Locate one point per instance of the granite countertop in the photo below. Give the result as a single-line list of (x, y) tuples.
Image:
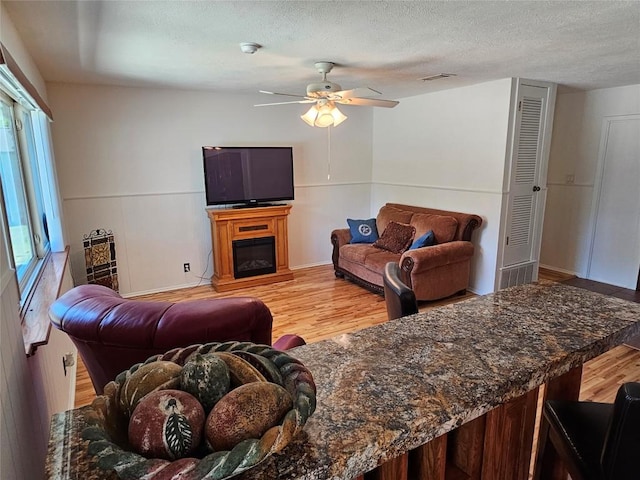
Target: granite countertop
[(390, 388)]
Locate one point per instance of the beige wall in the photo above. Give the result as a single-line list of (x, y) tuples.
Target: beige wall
[(31, 389), (136, 169), (447, 150), (130, 160), (10, 39), (575, 146)]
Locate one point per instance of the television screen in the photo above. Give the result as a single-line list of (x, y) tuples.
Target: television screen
[(248, 175)]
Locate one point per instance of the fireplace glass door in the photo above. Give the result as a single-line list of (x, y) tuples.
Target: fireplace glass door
[(254, 256)]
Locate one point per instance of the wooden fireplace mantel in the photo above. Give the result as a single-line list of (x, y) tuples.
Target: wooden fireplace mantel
[(231, 224)]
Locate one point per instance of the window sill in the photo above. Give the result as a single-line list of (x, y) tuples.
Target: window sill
[(35, 322)]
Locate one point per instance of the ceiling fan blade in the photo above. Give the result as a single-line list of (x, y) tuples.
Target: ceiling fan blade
[(284, 103), (285, 94), (358, 92), (368, 102)]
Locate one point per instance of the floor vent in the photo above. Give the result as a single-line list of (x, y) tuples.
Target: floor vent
[(516, 275)]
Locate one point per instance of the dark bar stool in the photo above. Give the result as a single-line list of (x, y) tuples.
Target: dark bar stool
[(595, 441)]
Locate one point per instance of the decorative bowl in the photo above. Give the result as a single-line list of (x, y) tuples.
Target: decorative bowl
[(107, 432)]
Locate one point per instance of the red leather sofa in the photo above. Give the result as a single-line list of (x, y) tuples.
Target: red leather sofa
[(113, 333)]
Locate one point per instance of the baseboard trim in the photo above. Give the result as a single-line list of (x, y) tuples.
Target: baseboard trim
[(165, 289), (309, 265), (557, 269), (202, 283), (633, 343)]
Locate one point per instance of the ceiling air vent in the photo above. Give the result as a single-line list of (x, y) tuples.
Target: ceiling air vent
[(437, 76)]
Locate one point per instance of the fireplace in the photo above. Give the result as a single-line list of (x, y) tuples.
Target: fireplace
[(260, 231), (254, 256)]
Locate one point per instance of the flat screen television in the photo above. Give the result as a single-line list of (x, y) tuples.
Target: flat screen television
[(248, 176)]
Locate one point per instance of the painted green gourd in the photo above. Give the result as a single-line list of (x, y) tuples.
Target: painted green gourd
[(207, 378)]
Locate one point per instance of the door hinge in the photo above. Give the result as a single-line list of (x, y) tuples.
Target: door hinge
[(520, 106), (507, 240)]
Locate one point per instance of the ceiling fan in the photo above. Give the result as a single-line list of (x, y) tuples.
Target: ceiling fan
[(326, 94)]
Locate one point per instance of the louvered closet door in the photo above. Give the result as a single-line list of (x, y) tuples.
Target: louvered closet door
[(525, 173)]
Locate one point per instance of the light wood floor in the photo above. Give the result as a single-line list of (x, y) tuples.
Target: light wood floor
[(316, 305)]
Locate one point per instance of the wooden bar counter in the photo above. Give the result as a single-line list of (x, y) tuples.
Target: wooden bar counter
[(458, 382)]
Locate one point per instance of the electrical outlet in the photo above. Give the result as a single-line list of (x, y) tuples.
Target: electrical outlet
[(187, 267), (569, 179), (68, 360)]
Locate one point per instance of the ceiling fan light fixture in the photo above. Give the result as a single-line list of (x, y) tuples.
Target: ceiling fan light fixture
[(324, 120), (310, 117), (338, 116), (324, 116)]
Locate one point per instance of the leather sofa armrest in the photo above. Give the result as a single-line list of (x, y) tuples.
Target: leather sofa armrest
[(426, 258), (289, 341)]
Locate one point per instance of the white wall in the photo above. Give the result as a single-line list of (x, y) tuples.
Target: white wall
[(31, 389), (575, 148), (10, 38), (130, 160), (447, 150), (22, 436)]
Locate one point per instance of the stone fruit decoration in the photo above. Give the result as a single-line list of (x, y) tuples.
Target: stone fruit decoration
[(205, 411), (246, 412), (146, 379), (206, 377), (166, 424), (240, 370)]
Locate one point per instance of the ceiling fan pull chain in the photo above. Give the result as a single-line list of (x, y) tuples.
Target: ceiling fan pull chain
[(329, 152)]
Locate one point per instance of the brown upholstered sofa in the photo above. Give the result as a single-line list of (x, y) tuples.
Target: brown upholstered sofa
[(432, 272)]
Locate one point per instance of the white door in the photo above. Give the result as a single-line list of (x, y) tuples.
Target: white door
[(615, 249), (525, 207)]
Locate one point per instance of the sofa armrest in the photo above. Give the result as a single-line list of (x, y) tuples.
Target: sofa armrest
[(339, 237), (289, 341), (426, 258)]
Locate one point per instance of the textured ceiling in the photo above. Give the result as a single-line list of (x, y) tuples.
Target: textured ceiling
[(384, 45)]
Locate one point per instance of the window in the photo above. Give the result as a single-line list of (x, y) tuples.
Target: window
[(22, 188)]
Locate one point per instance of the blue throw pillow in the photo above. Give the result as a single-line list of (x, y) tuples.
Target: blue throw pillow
[(363, 231), (426, 240)]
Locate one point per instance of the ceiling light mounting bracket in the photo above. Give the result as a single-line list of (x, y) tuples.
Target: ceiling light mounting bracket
[(324, 68)]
